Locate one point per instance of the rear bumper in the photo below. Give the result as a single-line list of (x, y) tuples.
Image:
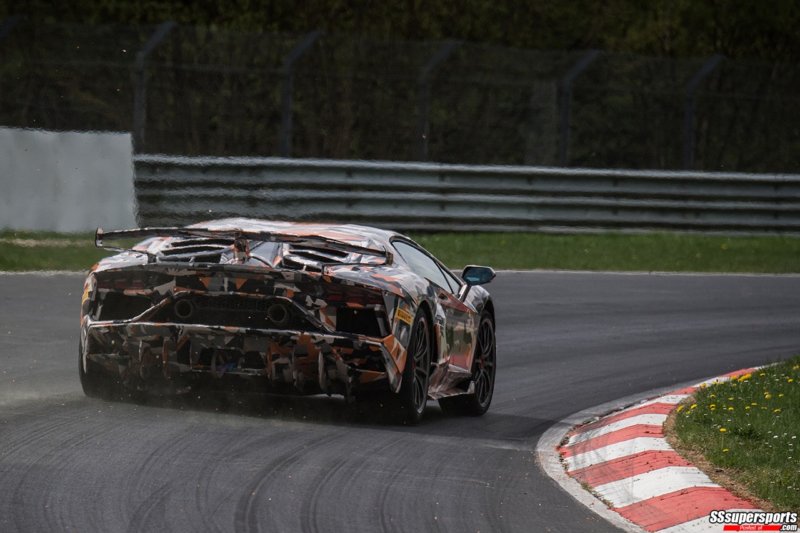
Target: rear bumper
[(305, 362)]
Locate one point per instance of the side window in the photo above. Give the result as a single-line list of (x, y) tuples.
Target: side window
[(454, 283), (422, 264)]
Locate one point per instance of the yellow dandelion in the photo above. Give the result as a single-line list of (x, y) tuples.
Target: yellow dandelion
[(722, 430), (762, 374), (767, 396), (725, 450), (679, 409), (693, 406), (753, 403), (730, 408), (746, 407), (780, 395), (789, 380), (778, 410)]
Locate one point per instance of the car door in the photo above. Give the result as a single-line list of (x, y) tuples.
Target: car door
[(456, 333)]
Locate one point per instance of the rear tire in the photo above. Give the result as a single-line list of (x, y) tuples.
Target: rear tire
[(484, 366), (413, 395), (96, 383)]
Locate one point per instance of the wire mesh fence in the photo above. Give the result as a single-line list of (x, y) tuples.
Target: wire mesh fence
[(206, 91)]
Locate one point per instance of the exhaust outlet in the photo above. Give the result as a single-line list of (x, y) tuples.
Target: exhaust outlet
[(183, 309), (278, 314)]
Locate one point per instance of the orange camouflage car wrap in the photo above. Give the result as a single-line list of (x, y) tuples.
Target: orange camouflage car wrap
[(300, 308)]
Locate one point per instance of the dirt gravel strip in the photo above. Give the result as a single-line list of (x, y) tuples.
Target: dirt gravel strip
[(625, 460), (33, 243)]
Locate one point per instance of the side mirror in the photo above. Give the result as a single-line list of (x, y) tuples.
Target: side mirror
[(477, 275)]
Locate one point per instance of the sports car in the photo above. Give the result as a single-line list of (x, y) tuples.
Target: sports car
[(289, 308)]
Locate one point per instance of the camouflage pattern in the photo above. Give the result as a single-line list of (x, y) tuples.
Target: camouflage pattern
[(302, 318)]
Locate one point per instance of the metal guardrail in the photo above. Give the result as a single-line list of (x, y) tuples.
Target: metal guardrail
[(422, 196)]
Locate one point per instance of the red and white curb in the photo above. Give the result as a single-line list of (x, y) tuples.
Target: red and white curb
[(625, 460)]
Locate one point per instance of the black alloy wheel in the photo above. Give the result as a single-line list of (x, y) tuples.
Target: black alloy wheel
[(413, 394), (95, 382)]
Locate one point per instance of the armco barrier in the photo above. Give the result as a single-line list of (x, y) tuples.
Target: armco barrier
[(421, 196)]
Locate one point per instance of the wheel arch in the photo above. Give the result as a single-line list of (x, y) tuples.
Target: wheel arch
[(489, 307)]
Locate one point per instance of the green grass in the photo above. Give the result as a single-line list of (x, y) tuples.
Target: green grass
[(670, 252), (39, 235), (750, 426), (26, 250), (79, 257)]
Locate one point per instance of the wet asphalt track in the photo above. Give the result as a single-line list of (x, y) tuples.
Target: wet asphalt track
[(566, 342)]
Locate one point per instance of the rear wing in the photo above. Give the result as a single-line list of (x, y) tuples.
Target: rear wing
[(237, 234)]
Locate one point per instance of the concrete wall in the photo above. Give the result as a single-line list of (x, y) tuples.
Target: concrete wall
[(66, 181)]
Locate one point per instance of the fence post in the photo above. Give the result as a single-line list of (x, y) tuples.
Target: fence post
[(424, 96), (140, 83), (541, 143), (8, 25), (287, 71), (690, 104), (565, 100)]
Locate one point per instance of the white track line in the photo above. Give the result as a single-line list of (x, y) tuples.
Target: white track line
[(669, 398), (713, 381)]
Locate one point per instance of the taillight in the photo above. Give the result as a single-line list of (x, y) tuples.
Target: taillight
[(354, 295)]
